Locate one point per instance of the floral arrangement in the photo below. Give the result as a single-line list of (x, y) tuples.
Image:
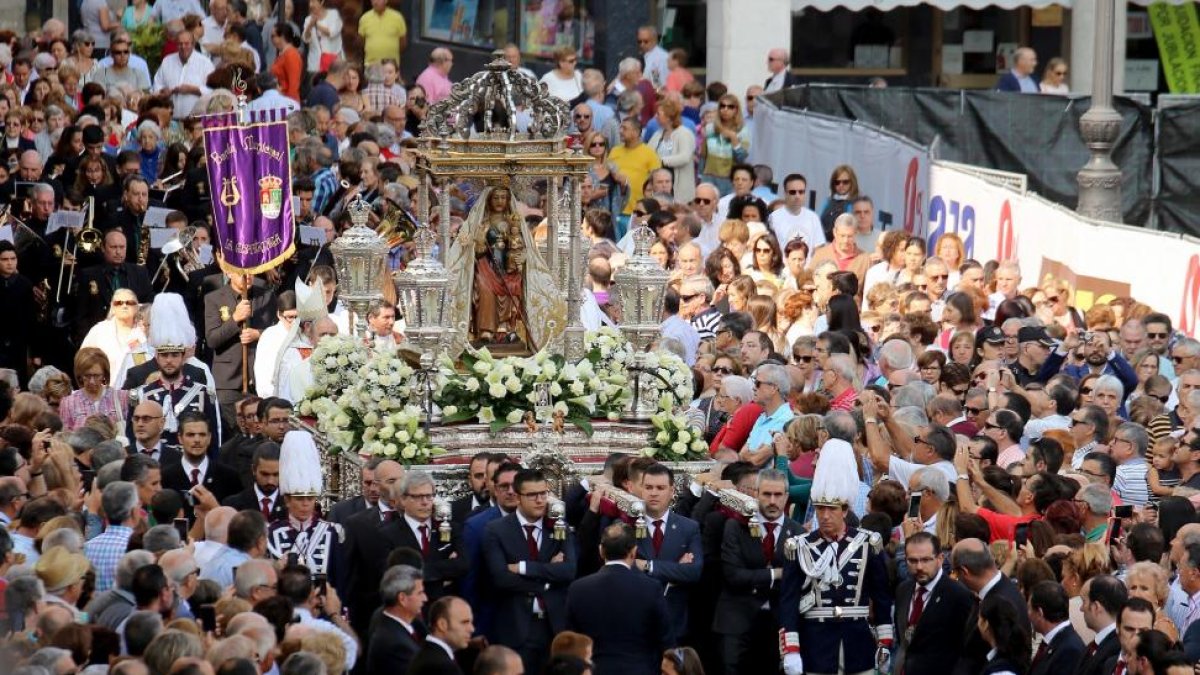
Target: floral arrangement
[(367, 400), (675, 439)]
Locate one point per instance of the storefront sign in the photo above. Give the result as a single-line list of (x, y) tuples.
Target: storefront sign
[(1177, 30), (1101, 262), (892, 170)]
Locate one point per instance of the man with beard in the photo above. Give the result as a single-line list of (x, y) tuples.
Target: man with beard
[(238, 452), (477, 497), (192, 467), (170, 335), (263, 494), (293, 374), (316, 542), (1100, 358), (147, 419), (129, 216), (929, 606)]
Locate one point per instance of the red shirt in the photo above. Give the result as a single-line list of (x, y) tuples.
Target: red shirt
[(288, 70), (845, 400), (737, 429), (1004, 527)]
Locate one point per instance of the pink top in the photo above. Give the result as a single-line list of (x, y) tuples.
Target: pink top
[(436, 85), (78, 406)]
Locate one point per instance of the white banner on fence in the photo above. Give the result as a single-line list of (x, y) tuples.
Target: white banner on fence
[(1101, 261), (892, 170)]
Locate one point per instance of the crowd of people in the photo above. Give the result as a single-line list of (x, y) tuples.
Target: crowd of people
[(921, 464)]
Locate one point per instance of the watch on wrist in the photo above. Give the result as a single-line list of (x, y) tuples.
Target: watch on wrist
[(963, 476)]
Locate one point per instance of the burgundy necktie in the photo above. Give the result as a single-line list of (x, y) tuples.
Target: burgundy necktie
[(424, 539), (657, 539), (768, 543), (531, 541), (1120, 668), (195, 477), (918, 607), (1091, 649), (266, 508), (1041, 652)]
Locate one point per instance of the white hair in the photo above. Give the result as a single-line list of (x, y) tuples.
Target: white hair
[(934, 481), (738, 387), (1109, 383), (897, 354)]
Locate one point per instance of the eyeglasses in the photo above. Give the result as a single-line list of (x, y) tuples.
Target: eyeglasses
[(124, 303), (417, 101), (582, 117), (1075, 422), (796, 192), (699, 200), (991, 425), (149, 418), (123, 52), (842, 181), (535, 495), (759, 383), (727, 106), (922, 441), (721, 370), (1085, 390), (972, 411), (1177, 359), (762, 250), (922, 287), (639, 213), (1163, 398), (807, 358), (504, 487), (1060, 73), (1158, 336), (598, 144), (938, 277), (424, 497), (1052, 300), (93, 377), (691, 296)]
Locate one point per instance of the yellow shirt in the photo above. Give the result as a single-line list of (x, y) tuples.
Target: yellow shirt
[(636, 165), (383, 34)]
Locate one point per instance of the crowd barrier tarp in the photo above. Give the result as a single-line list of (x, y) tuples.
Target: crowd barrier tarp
[(1178, 203), (891, 169), (1102, 261), (1034, 135)]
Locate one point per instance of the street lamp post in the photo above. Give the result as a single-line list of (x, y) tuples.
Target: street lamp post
[(1100, 179)]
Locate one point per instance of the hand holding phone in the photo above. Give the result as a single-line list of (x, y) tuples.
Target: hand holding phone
[(914, 505)]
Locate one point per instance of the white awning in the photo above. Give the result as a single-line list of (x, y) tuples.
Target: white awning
[(887, 5)]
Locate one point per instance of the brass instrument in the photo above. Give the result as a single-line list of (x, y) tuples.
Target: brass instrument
[(89, 237), (186, 261), (744, 506), (143, 241)]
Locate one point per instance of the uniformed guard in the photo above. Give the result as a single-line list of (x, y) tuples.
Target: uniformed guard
[(835, 585), (317, 543), (170, 385)]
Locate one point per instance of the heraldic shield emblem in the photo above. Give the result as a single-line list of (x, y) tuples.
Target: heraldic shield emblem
[(270, 196)]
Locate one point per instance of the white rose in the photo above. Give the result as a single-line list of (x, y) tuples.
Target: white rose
[(331, 362), (369, 434), (556, 389), (390, 450), (577, 388), (513, 384), (648, 452), (387, 432), (497, 391), (342, 420), (698, 445), (662, 437), (613, 416), (402, 436), (482, 367), (409, 452), (305, 408), (487, 415), (472, 384), (507, 370), (560, 407), (679, 448), (514, 416), (343, 361), (450, 410), (371, 419), (685, 437)]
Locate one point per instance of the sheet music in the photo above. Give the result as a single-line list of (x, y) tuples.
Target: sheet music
[(60, 219)]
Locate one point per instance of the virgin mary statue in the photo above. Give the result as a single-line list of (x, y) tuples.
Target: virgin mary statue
[(503, 292)]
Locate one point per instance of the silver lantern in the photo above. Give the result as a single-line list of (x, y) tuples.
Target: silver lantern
[(421, 294), (359, 255), (642, 283)]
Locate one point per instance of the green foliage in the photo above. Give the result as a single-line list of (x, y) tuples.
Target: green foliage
[(148, 40)]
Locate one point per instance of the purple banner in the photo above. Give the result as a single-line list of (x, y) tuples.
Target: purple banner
[(250, 180)]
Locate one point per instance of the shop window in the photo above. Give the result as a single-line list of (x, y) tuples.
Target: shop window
[(547, 25), (843, 41), (472, 23)]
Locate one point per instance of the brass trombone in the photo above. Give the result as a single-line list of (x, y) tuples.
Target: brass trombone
[(88, 238)]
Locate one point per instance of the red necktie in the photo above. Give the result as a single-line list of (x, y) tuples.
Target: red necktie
[(1120, 668), (195, 477), (657, 539), (918, 607), (1041, 652), (1091, 649), (531, 541), (424, 539), (769, 543), (266, 508)]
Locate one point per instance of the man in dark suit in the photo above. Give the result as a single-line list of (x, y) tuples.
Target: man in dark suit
[(976, 568), (530, 570), (264, 495), (779, 64), (368, 497), (477, 496), (672, 552), (238, 452), (1061, 649), (444, 561), (130, 215), (147, 422), (747, 615), (1103, 598), (620, 609), (477, 585), (394, 641), (1020, 79), (224, 331), (450, 629), (367, 546), (194, 466), (94, 286), (1134, 621), (942, 609)]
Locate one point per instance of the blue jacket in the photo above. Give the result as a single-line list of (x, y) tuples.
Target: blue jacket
[(680, 536), (1009, 82)]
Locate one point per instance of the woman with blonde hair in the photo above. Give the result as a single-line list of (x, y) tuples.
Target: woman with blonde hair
[(1058, 299), (726, 143), (762, 309), (740, 290), (952, 252), (735, 237), (1148, 580), (1081, 565), (26, 409), (119, 334), (94, 396)]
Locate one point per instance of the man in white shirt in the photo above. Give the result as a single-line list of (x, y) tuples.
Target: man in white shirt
[(653, 56), (167, 11), (382, 322), (214, 24), (795, 219), (296, 584), (182, 75), (705, 203)]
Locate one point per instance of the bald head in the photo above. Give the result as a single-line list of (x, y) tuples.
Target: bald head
[(387, 475), (777, 60)]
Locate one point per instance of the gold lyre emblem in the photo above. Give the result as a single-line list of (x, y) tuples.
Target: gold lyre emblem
[(231, 196), (224, 311)]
